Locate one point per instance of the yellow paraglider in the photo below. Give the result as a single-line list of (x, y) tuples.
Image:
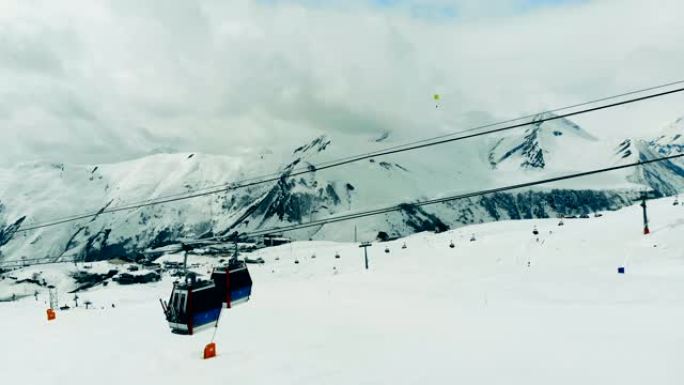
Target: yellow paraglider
[(436, 97)]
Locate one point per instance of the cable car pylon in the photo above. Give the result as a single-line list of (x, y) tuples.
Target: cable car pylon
[(365, 246), (643, 198)]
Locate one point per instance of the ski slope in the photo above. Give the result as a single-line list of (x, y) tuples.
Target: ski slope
[(505, 308)]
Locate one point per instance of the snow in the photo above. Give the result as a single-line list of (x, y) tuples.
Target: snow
[(475, 314), (43, 191)]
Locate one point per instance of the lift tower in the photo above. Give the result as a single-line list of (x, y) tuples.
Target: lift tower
[(643, 198)]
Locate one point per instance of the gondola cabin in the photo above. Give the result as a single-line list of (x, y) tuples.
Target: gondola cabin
[(195, 305), (234, 288)]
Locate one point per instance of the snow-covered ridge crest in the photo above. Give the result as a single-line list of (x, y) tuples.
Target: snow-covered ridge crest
[(538, 143), (666, 177)]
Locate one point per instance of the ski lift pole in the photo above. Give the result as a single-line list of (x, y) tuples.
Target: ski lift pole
[(216, 325), (210, 348), (643, 198), (186, 249), (235, 249), (236, 237), (365, 246), (643, 206)]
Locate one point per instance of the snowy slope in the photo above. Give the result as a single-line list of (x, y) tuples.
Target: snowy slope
[(475, 314), (666, 177), (38, 192), (542, 144)]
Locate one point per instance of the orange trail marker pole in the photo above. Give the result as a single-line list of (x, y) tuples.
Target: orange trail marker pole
[(210, 349)]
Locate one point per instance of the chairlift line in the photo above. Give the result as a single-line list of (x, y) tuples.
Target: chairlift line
[(487, 125), (443, 139), (398, 207)]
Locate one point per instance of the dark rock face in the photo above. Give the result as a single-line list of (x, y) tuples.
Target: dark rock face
[(529, 150), (8, 232), (666, 178), (624, 148), (420, 220), (319, 144), (543, 204)]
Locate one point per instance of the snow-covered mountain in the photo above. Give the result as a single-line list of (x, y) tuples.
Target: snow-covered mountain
[(665, 177), (38, 192), (542, 143)]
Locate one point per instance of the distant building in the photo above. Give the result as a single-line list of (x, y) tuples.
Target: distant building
[(274, 240)]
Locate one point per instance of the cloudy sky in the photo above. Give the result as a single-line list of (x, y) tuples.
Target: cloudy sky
[(97, 81)]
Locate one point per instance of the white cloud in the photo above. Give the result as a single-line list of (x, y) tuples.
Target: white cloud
[(90, 81)]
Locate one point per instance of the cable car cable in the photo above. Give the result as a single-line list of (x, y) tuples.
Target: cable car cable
[(487, 125), (345, 161), (399, 207), (378, 152)]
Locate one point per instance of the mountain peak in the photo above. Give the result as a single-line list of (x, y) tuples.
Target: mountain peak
[(672, 133), (319, 144), (530, 149)]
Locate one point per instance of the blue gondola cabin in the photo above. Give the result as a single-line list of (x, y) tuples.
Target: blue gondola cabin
[(196, 304)]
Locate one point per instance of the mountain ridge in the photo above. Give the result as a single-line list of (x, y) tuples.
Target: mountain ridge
[(42, 191)]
